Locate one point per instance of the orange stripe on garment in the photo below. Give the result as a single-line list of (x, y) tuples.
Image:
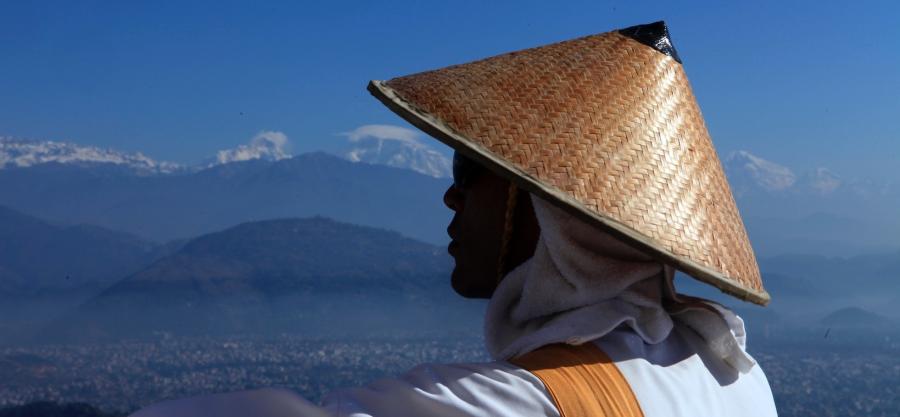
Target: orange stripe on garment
[(582, 380)]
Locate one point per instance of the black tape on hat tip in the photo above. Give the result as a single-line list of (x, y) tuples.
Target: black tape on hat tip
[(654, 35)]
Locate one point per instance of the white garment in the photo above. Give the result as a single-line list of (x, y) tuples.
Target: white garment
[(430, 390), (581, 285), (682, 377), (677, 377)]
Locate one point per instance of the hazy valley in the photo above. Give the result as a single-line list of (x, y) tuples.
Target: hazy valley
[(282, 271)]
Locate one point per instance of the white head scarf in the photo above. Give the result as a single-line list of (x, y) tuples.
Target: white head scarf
[(582, 283)]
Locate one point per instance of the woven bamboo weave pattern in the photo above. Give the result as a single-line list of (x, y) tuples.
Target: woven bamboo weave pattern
[(609, 122)]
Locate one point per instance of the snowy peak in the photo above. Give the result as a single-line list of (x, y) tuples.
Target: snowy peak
[(26, 153), (375, 144), (821, 180), (400, 155), (745, 169), (266, 145), (397, 147), (747, 173)]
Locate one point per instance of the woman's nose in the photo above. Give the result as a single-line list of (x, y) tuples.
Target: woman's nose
[(453, 198)]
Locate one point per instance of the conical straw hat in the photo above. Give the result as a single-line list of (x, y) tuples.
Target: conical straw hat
[(604, 126)]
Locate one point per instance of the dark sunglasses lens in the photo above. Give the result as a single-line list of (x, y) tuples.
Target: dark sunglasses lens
[(464, 170)]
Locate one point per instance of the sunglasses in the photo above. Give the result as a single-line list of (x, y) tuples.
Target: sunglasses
[(465, 171)]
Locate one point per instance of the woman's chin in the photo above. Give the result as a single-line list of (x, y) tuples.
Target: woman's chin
[(468, 288)]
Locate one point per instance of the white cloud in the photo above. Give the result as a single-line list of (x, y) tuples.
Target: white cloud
[(384, 132), (270, 145)]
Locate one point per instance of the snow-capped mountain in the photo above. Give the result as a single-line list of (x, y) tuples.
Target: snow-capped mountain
[(397, 147), (821, 180), (816, 211), (747, 171), (21, 153), (26, 153), (266, 145), (375, 144), (401, 155)]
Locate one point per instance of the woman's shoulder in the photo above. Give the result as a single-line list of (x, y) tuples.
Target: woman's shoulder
[(683, 376), (448, 389)]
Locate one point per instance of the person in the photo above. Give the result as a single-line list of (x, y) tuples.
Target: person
[(583, 177)]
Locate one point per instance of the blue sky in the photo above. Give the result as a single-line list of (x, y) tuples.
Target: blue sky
[(804, 84)]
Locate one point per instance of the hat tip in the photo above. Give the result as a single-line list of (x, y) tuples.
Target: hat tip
[(654, 35)]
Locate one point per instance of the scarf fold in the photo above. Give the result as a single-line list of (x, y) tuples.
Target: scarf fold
[(582, 283)]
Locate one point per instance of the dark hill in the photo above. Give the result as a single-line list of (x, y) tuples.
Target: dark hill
[(46, 269), (312, 276), (36, 256), (873, 273), (855, 317), (288, 255)]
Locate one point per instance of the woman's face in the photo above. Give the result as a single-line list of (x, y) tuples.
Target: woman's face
[(478, 199)]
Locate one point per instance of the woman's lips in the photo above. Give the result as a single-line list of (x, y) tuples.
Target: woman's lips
[(452, 247)]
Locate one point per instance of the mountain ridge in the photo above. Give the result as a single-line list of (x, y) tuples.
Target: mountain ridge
[(21, 153), (187, 204), (281, 275), (70, 255)]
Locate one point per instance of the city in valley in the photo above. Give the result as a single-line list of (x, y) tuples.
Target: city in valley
[(837, 379)]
